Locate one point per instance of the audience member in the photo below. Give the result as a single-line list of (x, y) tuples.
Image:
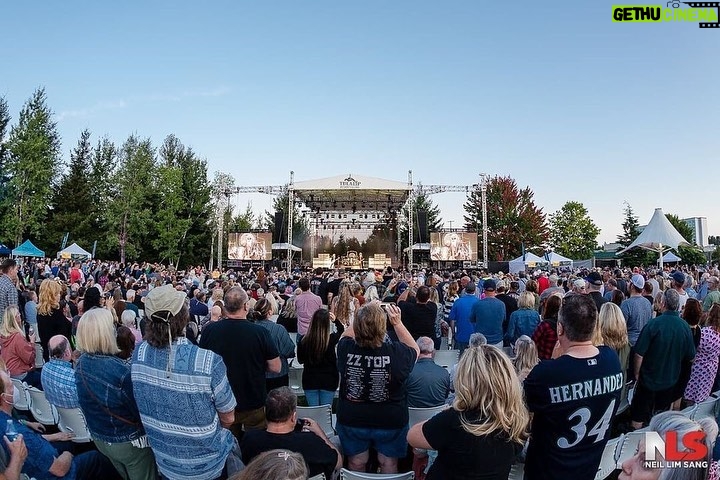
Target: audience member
[(281, 339), (524, 320), (488, 314), (17, 351), (428, 384), (316, 351), (275, 465), (58, 376), (526, 356), (459, 317), (705, 366), (545, 335)]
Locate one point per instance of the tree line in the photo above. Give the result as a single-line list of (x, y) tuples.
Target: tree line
[(139, 201)]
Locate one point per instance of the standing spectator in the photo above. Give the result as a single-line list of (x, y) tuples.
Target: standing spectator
[(17, 352), (665, 347), (594, 285), (316, 352), (486, 425), (344, 305), (488, 314), (52, 319), (31, 308), (248, 351), (614, 334), (460, 317), (105, 392), (571, 421), (372, 409), (678, 283), (305, 306), (428, 384), (636, 310), (523, 321), (183, 395), (705, 365), (8, 279), (511, 303), (713, 296), (281, 338), (449, 299), (545, 335), (288, 315), (419, 315), (526, 356)]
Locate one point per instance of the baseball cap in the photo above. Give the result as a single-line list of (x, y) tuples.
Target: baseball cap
[(594, 278), (489, 284), (678, 276), (638, 281), (162, 301), (470, 287)]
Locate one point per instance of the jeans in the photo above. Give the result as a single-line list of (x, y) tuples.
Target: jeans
[(93, 465), (319, 397)]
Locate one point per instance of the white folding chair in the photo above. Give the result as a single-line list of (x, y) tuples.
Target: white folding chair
[(417, 415), (321, 414), (517, 471), (446, 358), (72, 420), (348, 475), (318, 477), (39, 360), (295, 380), (629, 445), (608, 463), (24, 402), (41, 408), (706, 408)]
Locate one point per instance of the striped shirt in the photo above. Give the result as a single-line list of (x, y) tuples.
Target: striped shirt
[(8, 293), (180, 413)]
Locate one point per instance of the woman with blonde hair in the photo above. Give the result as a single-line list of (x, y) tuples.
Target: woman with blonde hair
[(51, 318), (526, 356), (288, 315), (613, 333), (487, 424), (345, 304), (275, 465), (17, 352), (524, 320), (106, 398)]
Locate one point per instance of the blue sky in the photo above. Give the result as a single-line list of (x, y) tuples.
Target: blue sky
[(553, 94)]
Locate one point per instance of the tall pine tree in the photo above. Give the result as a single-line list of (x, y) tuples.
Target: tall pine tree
[(4, 176), (423, 203), (631, 230)]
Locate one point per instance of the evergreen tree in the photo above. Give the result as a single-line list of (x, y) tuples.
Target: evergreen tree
[(4, 176), (423, 202), (631, 229), (72, 201), (32, 166), (513, 219), (103, 165), (301, 228), (572, 232)]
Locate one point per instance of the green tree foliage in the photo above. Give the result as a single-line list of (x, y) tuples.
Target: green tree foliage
[(572, 231), (690, 254), (423, 202), (72, 201), (32, 165), (513, 218), (301, 227), (4, 176), (103, 166), (246, 220), (631, 230)]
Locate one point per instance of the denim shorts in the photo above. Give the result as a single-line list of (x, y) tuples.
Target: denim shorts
[(390, 443)]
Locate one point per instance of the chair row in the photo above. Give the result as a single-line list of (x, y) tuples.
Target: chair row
[(70, 420)]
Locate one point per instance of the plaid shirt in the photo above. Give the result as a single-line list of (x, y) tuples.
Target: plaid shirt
[(8, 293), (58, 381), (545, 338)]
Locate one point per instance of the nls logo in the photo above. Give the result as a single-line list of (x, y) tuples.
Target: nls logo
[(693, 454)]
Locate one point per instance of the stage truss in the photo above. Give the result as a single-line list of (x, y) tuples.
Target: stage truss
[(359, 201)]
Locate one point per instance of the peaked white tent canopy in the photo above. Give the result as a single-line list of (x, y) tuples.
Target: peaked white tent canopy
[(74, 251), (670, 257), (286, 246), (556, 260), (659, 236), (528, 260)]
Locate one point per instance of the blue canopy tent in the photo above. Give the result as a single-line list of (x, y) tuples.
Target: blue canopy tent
[(27, 249), (4, 251)]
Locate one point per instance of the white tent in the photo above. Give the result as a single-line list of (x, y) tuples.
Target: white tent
[(670, 257), (659, 236), (74, 251), (418, 247), (557, 260), (286, 246), (529, 260)]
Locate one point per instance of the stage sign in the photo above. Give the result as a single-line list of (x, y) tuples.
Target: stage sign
[(250, 246), (453, 246)]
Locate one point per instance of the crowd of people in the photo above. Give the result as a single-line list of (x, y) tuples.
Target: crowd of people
[(185, 374)]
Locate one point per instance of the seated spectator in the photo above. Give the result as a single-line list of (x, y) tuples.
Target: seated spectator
[(428, 384), (284, 430), (58, 376), (17, 351), (316, 351), (168, 372), (487, 424), (43, 461), (10, 469), (106, 398), (635, 469), (524, 320), (526, 356), (275, 465)]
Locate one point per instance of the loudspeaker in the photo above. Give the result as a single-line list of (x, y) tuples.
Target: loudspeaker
[(280, 231), (422, 226)]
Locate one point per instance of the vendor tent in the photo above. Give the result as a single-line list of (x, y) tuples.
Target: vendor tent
[(659, 236), (27, 249), (557, 260), (523, 261), (5, 251), (670, 257), (286, 246), (74, 251)]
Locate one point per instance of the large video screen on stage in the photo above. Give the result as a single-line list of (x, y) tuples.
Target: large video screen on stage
[(454, 246), (250, 246)]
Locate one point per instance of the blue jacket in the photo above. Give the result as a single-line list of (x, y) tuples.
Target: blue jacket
[(106, 398), (522, 322)]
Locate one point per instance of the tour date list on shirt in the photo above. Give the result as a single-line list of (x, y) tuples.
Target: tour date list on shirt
[(368, 377)]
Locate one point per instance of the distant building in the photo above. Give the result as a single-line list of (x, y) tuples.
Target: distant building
[(698, 225)]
